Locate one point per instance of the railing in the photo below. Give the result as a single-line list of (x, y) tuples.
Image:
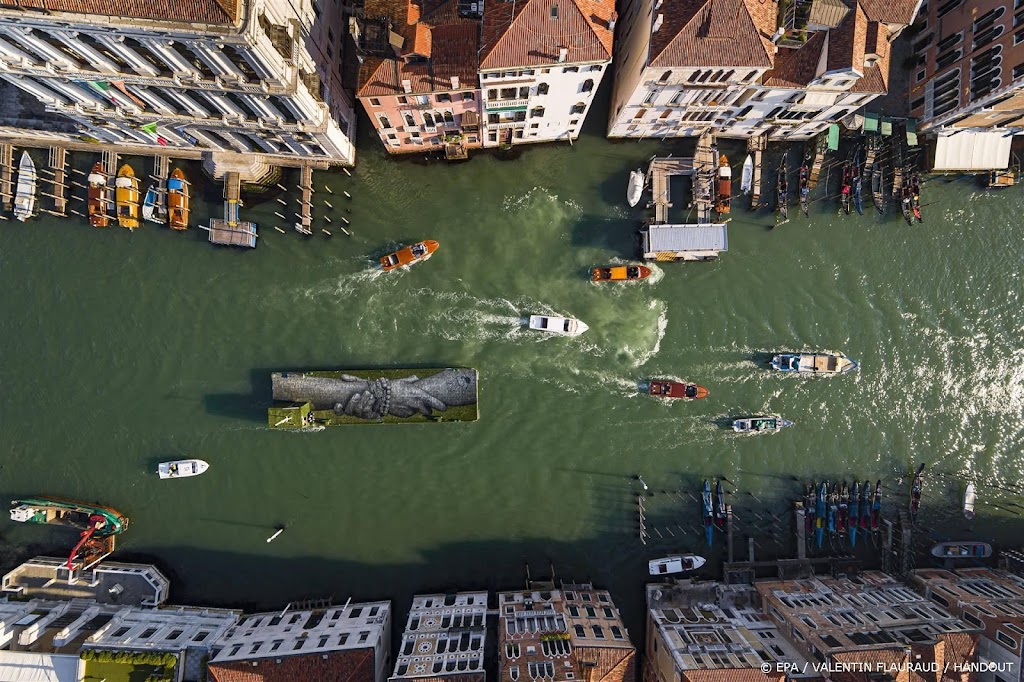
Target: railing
[(506, 103), (506, 124)]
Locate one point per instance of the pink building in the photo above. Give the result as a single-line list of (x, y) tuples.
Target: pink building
[(418, 78)]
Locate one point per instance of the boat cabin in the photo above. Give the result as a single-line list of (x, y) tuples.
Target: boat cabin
[(683, 242)]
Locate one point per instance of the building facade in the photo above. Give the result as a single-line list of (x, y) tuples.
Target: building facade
[(239, 80), (988, 599), (445, 638), (869, 616), (745, 68), (710, 632), (351, 642), (418, 76), (541, 61)]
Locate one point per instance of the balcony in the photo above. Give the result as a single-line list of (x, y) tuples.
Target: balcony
[(415, 104), (500, 104), (506, 124)]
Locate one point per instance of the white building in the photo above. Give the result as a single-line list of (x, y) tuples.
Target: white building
[(541, 62), (254, 80), (351, 642), (444, 637), (741, 69)]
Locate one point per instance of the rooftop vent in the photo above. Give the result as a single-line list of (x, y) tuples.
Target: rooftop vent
[(563, 53), (611, 21), (455, 82), (554, 12), (406, 86), (658, 22)]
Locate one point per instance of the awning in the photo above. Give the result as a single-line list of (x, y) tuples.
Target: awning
[(26, 666), (912, 132), (870, 123), (833, 137), (887, 127), (819, 100), (970, 151), (518, 108)]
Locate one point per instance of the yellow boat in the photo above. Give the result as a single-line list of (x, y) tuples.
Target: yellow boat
[(126, 197)]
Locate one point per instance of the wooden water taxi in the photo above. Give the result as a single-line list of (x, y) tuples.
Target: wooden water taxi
[(178, 200), (408, 255), (676, 389), (99, 197), (723, 191), (126, 197), (962, 550), (620, 273)]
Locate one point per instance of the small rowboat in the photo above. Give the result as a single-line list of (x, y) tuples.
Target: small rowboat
[(676, 389), (707, 511), (782, 193), (847, 188), (675, 564), (182, 468), (962, 550), (25, 197), (563, 326), (620, 273), (126, 195), (969, 498), (408, 255), (858, 200), (635, 189), (747, 180), (760, 424), (916, 489), (723, 193), (153, 205), (99, 197), (721, 513)]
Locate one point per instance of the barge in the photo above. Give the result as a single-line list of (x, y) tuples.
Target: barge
[(97, 525)]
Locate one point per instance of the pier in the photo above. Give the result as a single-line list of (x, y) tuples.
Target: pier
[(306, 205), (161, 168), (6, 175), (704, 164), (756, 146), (110, 166), (661, 171), (58, 162), (230, 231), (820, 151)]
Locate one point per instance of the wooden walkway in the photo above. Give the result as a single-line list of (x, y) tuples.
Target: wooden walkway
[(661, 172), (306, 205), (110, 166), (819, 159), (756, 145), (6, 175), (161, 168), (58, 163), (704, 164)]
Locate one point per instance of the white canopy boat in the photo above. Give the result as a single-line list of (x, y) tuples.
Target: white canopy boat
[(25, 199), (563, 326), (747, 180), (636, 187), (182, 468), (969, 498), (675, 564)]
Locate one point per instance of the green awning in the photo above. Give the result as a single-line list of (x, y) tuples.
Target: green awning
[(520, 108), (870, 123), (833, 137), (912, 132), (887, 127)]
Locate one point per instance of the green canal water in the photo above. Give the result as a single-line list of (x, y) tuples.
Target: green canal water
[(119, 350)]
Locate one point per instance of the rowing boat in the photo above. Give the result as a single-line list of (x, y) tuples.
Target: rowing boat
[(126, 196), (99, 196), (177, 200), (747, 179), (969, 499), (25, 198), (916, 489), (820, 512)]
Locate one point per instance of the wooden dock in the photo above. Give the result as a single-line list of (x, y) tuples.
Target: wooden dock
[(306, 207), (756, 146), (704, 165), (58, 163), (820, 151), (110, 166), (801, 531), (161, 168), (6, 175), (660, 173), (236, 234)]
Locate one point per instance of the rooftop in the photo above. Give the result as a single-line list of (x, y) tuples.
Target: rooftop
[(712, 33), (534, 32), (179, 11), (339, 666), (108, 583)]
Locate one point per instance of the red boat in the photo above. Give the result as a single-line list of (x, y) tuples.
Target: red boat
[(675, 389)]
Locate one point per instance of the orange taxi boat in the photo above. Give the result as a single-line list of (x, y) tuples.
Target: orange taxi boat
[(408, 255), (620, 273), (676, 389), (99, 197)]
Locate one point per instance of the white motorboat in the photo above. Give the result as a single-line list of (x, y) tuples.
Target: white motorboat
[(182, 468), (564, 326), (636, 187), (969, 498), (675, 564), (747, 180), (25, 199)]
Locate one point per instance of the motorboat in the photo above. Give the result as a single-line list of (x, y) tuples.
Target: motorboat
[(962, 550), (153, 208), (813, 363), (635, 190), (747, 179), (182, 468), (759, 424), (563, 326), (99, 197), (675, 564), (723, 181), (407, 255), (25, 196), (178, 200), (969, 498), (126, 196), (676, 389), (620, 273)]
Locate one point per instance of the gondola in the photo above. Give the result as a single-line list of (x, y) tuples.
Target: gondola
[(858, 199), (707, 511), (805, 190), (916, 489), (915, 197), (820, 512), (847, 188), (876, 507), (782, 193), (853, 520), (720, 510), (844, 508)]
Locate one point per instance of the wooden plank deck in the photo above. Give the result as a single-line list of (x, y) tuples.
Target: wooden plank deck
[(6, 175), (819, 159), (58, 163), (660, 172), (704, 164)]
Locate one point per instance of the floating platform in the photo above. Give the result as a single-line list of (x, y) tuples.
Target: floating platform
[(312, 400)]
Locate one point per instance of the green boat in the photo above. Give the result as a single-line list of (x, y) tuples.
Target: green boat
[(82, 516)]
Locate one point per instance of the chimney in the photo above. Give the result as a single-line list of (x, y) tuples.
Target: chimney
[(406, 86), (778, 35), (455, 82), (612, 19), (563, 54), (657, 23)]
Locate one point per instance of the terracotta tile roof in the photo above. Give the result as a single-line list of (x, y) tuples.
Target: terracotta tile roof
[(846, 43), (730, 675), (860, 665), (523, 33), (612, 664), (355, 665), (185, 11), (417, 40), (714, 33), (890, 11), (454, 677), (876, 77), (795, 68)]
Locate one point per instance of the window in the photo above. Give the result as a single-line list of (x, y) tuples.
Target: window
[(538, 112), (542, 88), (574, 611), (665, 76), (1018, 37), (588, 85), (513, 672), (580, 632), (595, 67), (617, 632), (534, 125), (428, 120), (574, 122), (598, 632), (374, 102), (402, 99), (554, 11), (449, 119), (571, 69), (640, 114), (444, 97), (649, 99), (492, 136), (1006, 640), (409, 121), (508, 93), (578, 108), (492, 94)]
